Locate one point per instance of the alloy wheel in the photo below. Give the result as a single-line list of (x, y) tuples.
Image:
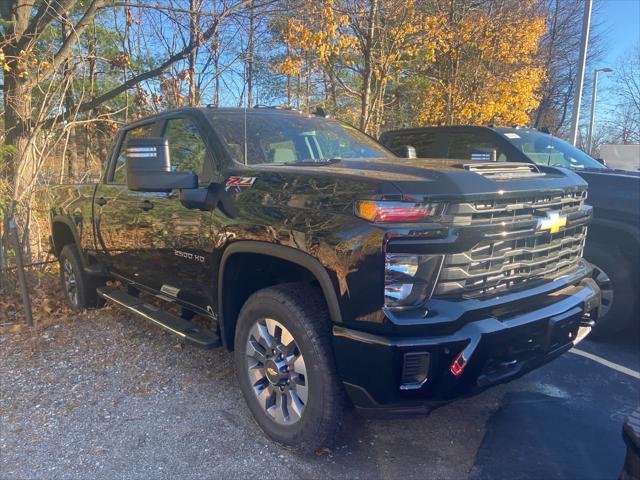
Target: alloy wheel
[(69, 279), (277, 371)]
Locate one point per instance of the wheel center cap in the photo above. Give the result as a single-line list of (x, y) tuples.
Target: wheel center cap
[(273, 372)]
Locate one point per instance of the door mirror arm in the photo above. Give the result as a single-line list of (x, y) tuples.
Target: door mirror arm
[(208, 199)]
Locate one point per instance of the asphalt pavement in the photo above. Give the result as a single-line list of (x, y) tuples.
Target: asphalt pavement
[(105, 395)]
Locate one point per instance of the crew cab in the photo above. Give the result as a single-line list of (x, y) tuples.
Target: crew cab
[(333, 270), (613, 243)]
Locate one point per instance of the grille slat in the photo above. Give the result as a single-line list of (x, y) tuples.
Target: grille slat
[(514, 210), (499, 264)]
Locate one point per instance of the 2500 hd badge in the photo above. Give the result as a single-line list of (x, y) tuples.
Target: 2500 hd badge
[(189, 256)]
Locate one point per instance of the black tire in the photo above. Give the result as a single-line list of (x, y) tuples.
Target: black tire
[(301, 311), (620, 302), (82, 294)]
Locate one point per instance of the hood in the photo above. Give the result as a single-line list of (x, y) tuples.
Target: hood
[(441, 179), (611, 171)]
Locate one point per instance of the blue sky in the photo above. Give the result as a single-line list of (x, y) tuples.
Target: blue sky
[(621, 20), (621, 26)]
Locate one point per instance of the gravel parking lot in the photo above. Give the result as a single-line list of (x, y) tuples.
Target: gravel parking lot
[(105, 395)]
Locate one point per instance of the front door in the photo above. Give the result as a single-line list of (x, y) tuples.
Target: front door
[(181, 254), (150, 238)]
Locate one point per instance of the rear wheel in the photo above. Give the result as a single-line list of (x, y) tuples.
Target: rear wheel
[(79, 287), (611, 273), (285, 367)]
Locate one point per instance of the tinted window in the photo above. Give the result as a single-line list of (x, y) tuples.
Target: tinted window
[(463, 144), (423, 142), (544, 149), (288, 138), (144, 131), (187, 149)]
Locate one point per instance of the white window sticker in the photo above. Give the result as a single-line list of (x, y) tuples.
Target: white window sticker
[(512, 135)]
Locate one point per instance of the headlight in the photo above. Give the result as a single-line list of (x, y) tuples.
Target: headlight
[(385, 211), (409, 279)]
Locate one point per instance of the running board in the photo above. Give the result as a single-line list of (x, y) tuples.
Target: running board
[(176, 325)]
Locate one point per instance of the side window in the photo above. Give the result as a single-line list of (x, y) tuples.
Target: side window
[(120, 172), (187, 149), (463, 144)]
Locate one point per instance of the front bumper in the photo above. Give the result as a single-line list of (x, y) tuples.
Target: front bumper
[(496, 348)]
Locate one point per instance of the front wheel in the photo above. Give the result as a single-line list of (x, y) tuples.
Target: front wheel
[(78, 286), (285, 367), (619, 300)]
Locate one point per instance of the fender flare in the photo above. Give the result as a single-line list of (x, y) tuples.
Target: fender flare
[(74, 232), (284, 253)]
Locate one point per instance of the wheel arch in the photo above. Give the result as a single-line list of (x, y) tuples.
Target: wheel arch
[(63, 233), (305, 265)]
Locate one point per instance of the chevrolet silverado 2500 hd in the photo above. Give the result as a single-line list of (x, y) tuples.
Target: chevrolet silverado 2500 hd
[(332, 269)]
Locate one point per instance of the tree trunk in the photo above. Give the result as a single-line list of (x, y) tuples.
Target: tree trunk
[(250, 51), (367, 75), (194, 34), (92, 54), (17, 118), (17, 99), (71, 150)]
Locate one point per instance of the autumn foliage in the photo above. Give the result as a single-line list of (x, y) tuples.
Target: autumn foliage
[(441, 61)]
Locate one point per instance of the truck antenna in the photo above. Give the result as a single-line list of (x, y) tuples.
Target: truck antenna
[(245, 134)]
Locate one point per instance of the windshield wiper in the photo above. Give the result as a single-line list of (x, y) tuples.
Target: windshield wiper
[(309, 162)]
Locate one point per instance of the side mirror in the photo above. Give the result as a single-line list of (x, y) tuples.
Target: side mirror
[(484, 155), (602, 161), (407, 151), (149, 167)]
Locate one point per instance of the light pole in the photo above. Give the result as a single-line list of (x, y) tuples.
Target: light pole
[(577, 98), (593, 106)]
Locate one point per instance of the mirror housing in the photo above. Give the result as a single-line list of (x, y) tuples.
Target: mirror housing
[(149, 167), (484, 155), (408, 151)]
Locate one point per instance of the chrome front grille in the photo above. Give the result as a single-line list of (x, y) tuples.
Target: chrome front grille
[(519, 258), (505, 210)]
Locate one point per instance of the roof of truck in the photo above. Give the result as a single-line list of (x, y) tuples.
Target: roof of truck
[(465, 127)]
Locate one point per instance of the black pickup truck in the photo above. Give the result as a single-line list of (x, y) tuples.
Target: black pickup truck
[(333, 270), (613, 243)]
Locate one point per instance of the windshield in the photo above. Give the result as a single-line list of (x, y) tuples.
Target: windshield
[(545, 149), (288, 138)]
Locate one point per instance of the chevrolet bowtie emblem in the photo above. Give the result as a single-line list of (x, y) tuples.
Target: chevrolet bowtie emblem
[(552, 221)]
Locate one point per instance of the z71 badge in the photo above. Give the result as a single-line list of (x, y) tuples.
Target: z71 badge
[(238, 183)]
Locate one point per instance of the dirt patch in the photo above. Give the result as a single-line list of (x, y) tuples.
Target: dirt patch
[(102, 394)]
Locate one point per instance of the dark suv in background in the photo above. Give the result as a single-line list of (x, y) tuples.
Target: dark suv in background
[(613, 243)]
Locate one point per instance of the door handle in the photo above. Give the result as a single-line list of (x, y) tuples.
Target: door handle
[(101, 201), (145, 205)]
